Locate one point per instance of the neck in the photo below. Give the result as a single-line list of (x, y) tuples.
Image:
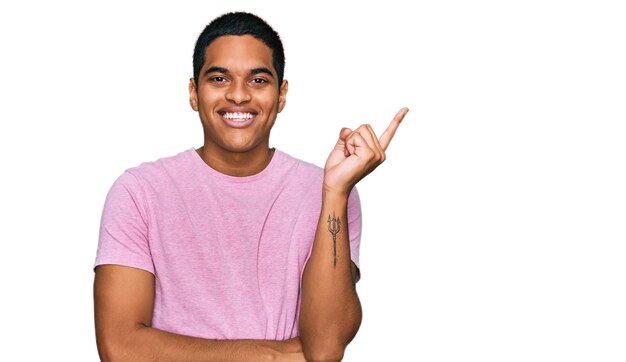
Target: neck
[(237, 164)]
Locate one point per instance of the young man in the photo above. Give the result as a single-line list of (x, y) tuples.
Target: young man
[(235, 251)]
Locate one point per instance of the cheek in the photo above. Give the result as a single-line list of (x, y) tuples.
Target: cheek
[(209, 100), (269, 100)]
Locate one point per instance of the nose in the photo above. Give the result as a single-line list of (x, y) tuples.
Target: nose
[(238, 92)]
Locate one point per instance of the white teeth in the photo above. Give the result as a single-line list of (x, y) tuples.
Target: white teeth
[(238, 116)]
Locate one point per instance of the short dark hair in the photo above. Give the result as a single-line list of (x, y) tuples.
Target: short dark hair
[(239, 23)]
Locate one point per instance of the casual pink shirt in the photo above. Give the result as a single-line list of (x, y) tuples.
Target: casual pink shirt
[(227, 252)]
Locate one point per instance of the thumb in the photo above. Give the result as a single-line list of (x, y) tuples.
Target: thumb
[(344, 133), (341, 142)]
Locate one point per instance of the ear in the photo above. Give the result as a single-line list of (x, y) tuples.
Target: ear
[(193, 95), (282, 95)]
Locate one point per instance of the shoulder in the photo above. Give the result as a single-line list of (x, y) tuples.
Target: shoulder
[(155, 171), (148, 178), (301, 167), (307, 169), (310, 177)]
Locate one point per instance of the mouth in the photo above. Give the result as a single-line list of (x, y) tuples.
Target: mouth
[(237, 119)]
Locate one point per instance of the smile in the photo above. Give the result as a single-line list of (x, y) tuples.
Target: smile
[(238, 119), (238, 116)]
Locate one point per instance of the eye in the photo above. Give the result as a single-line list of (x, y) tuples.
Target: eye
[(259, 81), (218, 79)]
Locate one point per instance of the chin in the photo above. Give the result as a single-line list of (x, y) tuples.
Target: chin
[(239, 147)]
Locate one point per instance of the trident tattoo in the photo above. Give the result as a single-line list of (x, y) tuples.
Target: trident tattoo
[(334, 225)]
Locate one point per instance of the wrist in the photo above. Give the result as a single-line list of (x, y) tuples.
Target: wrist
[(329, 193)]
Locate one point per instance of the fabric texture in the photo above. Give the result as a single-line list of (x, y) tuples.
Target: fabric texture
[(227, 252)]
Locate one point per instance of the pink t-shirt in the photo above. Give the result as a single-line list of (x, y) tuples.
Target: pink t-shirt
[(227, 252)]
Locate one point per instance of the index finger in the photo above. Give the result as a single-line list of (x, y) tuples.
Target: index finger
[(386, 137)]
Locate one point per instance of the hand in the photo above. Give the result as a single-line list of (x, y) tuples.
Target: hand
[(356, 154)]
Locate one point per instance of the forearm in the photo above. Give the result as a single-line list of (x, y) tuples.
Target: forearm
[(330, 312), (151, 344)]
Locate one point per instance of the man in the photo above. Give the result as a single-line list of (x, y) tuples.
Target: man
[(234, 251)]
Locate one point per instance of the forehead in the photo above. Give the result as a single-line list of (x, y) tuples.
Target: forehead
[(238, 52)]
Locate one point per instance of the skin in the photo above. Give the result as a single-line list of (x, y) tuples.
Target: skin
[(238, 75), (123, 303), (237, 151), (330, 314)]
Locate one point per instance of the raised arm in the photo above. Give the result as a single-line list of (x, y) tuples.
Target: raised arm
[(124, 300), (330, 313)]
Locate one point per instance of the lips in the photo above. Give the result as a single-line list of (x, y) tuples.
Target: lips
[(237, 117)]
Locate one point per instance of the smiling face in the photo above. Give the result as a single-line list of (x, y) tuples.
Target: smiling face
[(237, 96)]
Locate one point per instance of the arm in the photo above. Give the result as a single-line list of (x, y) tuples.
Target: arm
[(330, 313), (123, 302)]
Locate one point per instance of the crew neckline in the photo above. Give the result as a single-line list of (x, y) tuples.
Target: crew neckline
[(276, 157)]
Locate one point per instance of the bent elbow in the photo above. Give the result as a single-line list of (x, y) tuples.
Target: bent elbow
[(323, 351), (324, 355), (328, 341), (112, 349), (109, 352)]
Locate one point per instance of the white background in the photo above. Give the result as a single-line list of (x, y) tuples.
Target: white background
[(494, 232)]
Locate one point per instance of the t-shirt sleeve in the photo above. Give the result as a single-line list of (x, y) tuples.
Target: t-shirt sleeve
[(123, 237), (354, 228)]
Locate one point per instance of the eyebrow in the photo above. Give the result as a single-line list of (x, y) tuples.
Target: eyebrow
[(262, 70), (216, 70), (254, 71)]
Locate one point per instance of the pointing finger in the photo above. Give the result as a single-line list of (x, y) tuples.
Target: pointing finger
[(386, 137)]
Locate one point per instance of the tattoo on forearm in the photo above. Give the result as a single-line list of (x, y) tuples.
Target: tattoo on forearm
[(334, 225)]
